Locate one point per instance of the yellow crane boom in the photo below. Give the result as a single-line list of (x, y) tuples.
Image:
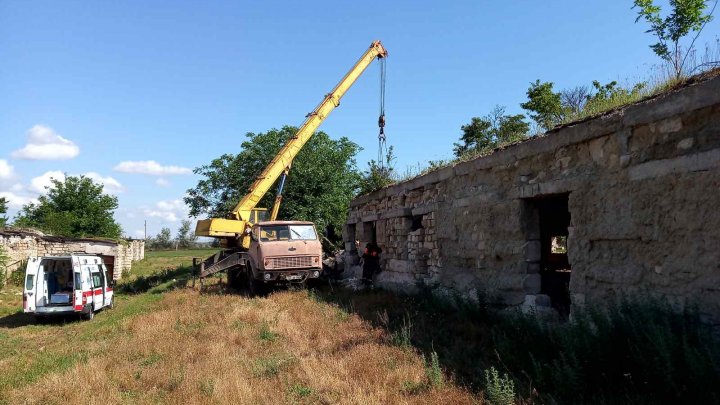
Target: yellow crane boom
[(245, 211)]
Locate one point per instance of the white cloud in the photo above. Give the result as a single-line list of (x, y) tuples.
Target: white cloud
[(169, 211), (6, 171), (16, 201), (110, 185), (150, 167), (139, 233), (39, 183), (45, 144), (162, 182)]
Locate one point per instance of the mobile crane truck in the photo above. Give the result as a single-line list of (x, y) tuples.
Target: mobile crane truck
[(260, 252)]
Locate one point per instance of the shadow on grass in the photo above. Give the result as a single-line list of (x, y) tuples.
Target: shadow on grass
[(159, 282), (636, 350), (20, 319)]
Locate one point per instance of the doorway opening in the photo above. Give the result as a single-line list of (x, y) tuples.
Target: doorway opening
[(549, 220)]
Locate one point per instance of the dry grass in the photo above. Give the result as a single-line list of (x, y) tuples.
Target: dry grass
[(185, 347)]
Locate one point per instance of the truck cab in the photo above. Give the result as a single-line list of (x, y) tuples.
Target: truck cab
[(66, 285), (284, 252)]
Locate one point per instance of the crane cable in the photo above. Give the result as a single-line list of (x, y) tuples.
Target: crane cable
[(382, 147)]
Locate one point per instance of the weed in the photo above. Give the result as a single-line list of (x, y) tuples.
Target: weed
[(633, 349), (413, 387), (207, 387), (401, 337), (342, 315), (300, 391), (499, 390), (267, 367), (266, 334), (433, 372), (151, 359)]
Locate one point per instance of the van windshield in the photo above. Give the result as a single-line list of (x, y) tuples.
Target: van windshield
[(273, 233)]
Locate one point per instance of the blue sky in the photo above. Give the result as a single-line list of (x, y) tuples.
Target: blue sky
[(111, 86)]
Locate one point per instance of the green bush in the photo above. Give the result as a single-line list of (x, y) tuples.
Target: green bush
[(499, 390), (17, 277)]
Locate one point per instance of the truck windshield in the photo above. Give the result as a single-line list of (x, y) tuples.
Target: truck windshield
[(274, 233)]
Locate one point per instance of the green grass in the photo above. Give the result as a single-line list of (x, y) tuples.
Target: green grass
[(637, 350), (26, 362)]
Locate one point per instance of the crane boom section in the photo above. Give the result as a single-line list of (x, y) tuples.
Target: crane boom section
[(284, 158)]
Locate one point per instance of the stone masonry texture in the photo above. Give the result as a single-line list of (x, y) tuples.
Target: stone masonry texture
[(643, 192), (21, 244)]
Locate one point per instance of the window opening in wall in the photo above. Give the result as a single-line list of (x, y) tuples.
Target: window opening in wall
[(416, 223), (369, 232), (548, 219), (558, 244)]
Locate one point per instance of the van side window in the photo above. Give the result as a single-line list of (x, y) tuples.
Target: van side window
[(96, 280), (30, 282), (78, 282)]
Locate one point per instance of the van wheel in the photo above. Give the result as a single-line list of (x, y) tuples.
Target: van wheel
[(112, 303), (90, 315)]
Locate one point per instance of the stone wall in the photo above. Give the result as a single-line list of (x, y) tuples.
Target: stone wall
[(21, 244), (641, 186)]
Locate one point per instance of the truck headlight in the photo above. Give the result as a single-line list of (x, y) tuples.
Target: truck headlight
[(267, 276), (316, 274)]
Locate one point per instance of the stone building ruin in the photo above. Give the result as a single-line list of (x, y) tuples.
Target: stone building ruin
[(623, 203), (20, 244)]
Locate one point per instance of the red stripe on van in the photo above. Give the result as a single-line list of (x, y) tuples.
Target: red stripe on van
[(98, 291), (78, 307)]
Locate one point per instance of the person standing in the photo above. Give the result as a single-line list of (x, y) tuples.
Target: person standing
[(371, 262)]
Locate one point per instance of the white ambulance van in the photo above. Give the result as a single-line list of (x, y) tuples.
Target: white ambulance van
[(64, 285)]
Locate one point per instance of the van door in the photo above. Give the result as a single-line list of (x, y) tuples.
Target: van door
[(108, 285), (30, 294), (97, 285)]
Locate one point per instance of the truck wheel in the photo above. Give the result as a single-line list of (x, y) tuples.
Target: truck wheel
[(256, 288), (235, 278)]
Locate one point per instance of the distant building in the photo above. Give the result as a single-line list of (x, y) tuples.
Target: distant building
[(20, 244)]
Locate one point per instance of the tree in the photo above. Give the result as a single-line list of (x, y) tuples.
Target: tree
[(74, 207), (686, 17), (163, 240), (322, 181), (185, 236), (378, 176), (573, 100), (3, 211), (545, 105), (493, 130)]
